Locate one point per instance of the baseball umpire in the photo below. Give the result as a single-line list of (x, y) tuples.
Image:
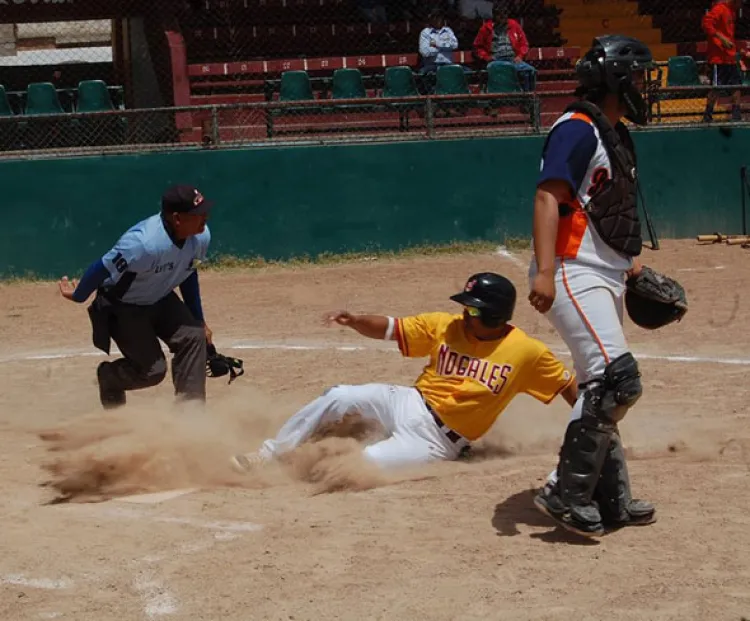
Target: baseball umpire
[(587, 237), (135, 303)]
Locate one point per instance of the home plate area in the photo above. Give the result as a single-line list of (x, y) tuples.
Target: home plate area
[(137, 513)]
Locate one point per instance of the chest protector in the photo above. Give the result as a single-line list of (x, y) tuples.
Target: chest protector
[(613, 208)]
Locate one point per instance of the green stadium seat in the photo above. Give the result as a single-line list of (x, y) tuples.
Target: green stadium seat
[(41, 98), (502, 78), (348, 84), (295, 86), (5, 109), (451, 80), (93, 96), (682, 71), (399, 82)]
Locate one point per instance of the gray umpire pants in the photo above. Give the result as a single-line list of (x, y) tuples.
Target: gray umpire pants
[(137, 329)]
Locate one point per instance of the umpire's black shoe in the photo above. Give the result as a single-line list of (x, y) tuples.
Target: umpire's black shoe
[(110, 398), (584, 521)]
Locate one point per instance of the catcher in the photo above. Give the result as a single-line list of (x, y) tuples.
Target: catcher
[(136, 306), (587, 237)]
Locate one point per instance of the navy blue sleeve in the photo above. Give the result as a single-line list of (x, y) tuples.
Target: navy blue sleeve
[(191, 294), (568, 153), (90, 282)]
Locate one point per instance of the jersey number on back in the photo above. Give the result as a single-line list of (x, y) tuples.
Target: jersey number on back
[(120, 263)]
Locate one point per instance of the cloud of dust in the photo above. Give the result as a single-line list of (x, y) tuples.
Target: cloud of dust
[(525, 428), (156, 444), (162, 445)]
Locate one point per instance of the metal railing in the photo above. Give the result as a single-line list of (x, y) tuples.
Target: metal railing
[(319, 121)]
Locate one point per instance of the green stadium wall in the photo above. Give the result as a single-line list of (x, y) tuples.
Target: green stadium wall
[(60, 214)]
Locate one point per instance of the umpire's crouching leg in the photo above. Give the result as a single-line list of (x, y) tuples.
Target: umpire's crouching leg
[(186, 338), (188, 344)]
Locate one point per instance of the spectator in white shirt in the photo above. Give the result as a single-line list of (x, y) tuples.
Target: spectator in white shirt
[(436, 43)]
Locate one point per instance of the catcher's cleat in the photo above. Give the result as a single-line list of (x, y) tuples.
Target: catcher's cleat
[(640, 513), (110, 398), (549, 502)]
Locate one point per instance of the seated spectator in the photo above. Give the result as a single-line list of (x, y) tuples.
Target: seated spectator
[(436, 43), (722, 55), (502, 39)]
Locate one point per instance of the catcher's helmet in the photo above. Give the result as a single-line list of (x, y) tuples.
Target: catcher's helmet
[(492, 294), (608, 67)]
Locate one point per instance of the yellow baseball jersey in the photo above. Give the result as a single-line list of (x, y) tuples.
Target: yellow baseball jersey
[(469, 382)]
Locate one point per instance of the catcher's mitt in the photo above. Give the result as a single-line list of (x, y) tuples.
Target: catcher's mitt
[(218, 364), (654, 300)]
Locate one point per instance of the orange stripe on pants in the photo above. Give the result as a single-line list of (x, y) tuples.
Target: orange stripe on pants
[(589, 327)]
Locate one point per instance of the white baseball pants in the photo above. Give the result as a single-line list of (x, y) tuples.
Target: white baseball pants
[(587, 314), (414, 438)]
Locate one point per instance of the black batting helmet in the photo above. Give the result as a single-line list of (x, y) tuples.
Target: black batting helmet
[(492, 294), (608, 67)]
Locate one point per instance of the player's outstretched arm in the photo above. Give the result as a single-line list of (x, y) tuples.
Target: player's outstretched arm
[(371, 326)]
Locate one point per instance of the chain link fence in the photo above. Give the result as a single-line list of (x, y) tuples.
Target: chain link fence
[(81, 74)]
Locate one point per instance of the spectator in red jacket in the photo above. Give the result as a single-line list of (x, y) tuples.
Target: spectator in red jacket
[(722, 54), (502, 39)]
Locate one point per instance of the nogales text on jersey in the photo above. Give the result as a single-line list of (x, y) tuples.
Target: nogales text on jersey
[(491, 375)]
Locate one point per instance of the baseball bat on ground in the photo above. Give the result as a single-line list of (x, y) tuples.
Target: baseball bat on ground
[(736, 241), (717, 238)]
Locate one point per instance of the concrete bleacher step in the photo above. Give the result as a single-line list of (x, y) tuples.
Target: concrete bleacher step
[(581, 21), (609, 24), (582, 36), (598, 11)]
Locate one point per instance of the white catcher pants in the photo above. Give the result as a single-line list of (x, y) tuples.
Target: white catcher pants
[(414, 438), (587, 314)]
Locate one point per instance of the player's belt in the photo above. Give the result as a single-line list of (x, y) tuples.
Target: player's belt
[(453, 436)]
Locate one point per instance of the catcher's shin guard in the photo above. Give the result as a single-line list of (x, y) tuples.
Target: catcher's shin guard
[(613, 495), (581, 459)]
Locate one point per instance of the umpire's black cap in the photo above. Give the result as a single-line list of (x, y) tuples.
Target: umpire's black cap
[(185, 199)]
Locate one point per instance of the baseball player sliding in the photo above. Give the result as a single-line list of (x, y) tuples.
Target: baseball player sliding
[(135, 304), (478, 362), (587, 235)]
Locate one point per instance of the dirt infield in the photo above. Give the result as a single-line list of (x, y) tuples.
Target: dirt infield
[(325, 537)]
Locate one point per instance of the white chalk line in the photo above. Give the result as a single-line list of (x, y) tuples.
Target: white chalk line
[(244, 345), (700, 269), (36, 583), (216, 525), (157, 497), (503, 252), (156, 598)]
